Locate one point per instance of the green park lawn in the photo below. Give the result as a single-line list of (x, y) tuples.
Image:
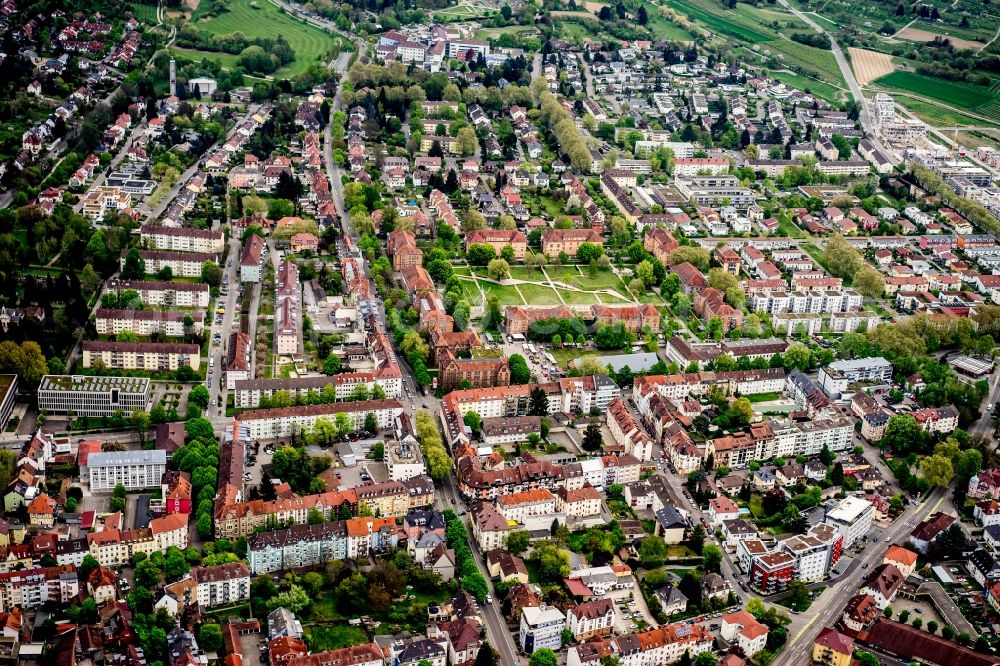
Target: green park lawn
[(537, 294), (261, 18)]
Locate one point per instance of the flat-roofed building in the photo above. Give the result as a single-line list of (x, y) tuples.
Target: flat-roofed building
[(151, 356), (8, 391), (133, 469), (852, 517), (92, 396)]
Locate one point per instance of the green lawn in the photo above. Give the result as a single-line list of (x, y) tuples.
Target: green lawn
[(506, 295), (225, 60), (936, 115), (525, 273), (756, 506), (324, 638), (788, 228), (260, 18), (763, 397), (537, 294), (577, 297)]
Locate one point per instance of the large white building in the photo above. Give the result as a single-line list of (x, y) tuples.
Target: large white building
[(133, 469), (169, 323), (802, 301), (181, 239), (250, 392), (223, 584), (183, 264), (151, 356), (852, 517), (282, 422), (835, 378), (169, 294), (541, 627), (92, 396)]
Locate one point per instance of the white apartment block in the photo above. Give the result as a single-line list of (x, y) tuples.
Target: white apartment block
[(183, 264), (282, 422), (222, 585), (805, 301), (151, 356), (852, 517), (181, 239), (456, 47), (176, 294), (133, 469), (168, 323), (836, 377), (403, 460), (541, 627), (249, 392), (92, 396), (33, 588), (297, 546)]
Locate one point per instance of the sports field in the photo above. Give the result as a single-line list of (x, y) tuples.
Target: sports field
[(260, 18), (966, 96)]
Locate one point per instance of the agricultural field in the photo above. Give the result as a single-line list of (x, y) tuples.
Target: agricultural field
[(869, 65), (919, 35), (975, 98), (144, 13), (764, 33), (260, 18)]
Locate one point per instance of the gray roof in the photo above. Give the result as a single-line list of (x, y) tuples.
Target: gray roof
[(636, 362), (670, 518), (119, 458)]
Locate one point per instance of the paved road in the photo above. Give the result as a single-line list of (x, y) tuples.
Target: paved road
[(218, 353), (825, 611)]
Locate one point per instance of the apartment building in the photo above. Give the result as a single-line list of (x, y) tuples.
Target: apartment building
[(489, 527), (92, 396), (541, 627), (252, 259), (151, 356), (251, 392), (160, 294), (742, 629), (498, 239), (852, 517), (32, 588), (169, 323), (182, 264), (686, 167), (803, 301), (297, 546), (591, 618), (627, 432), (835, 378), (788, 438), (222, 585), (181, 239), (403, 460), (282, 422), (528, 507), (135, 470), (569, 241), (663, 645)]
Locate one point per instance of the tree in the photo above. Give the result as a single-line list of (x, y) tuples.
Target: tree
[(486, 656), (937, 470), (499, 269), (134, 267), (643, 18), (901, 433), (88, 564), (840, 258), (711, 557), (869, 282), (518, 541), (331, 365), (211, 274), (652, 552), (543, 656), (698, 256), (932, 627), (539, 402), (199, 395), (473, 420), (466, 142), (797, 356), (210, 637), (519, 371), (592, 439), (705, 659), (294, 599), (741, 411), (866, 658)]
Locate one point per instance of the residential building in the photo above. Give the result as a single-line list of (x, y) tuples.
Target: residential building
[(742, 629), (852, 517), (541, 627), (150, 356), (833, 648), (590, 619)]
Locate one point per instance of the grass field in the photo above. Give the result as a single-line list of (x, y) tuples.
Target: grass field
[(267, 21), (664, 29), (975, 98), (325, 638), (936, 115), (144, 13), (538, 294), (493, 33), (578, 297), (226, 60)]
